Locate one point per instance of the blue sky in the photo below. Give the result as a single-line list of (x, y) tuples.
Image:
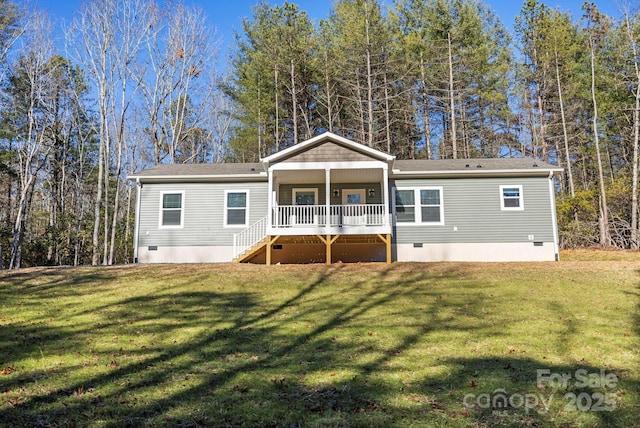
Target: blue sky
[(226, 15)]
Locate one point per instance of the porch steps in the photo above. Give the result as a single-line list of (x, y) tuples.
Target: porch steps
[(251, 251)]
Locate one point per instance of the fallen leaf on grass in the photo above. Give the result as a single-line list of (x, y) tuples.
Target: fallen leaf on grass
[(8, 370), (241, 389)]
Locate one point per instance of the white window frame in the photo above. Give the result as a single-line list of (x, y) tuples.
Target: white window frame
[(246, 208), (162, 209), (361, 192), (295, 191), (395, 207), (520, 197), (417, 207), (441, 205)]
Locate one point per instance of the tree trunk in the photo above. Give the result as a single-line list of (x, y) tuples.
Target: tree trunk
[(369, 82), (565, 134), (21, 224), (277, 118), (294, 104), (634, 179), (636, 136), (387, 112), (604, 209), (327, 89), (425, 110), (454, 144), (116, 203), (95, 259)]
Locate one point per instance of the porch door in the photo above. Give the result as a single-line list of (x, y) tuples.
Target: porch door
[(305, 201), (353, 201)]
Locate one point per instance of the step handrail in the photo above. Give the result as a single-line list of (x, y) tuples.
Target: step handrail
[(249, 237)]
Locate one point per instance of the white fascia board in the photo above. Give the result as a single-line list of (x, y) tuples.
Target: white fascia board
[(301, 166), (262, 176), (476, 172)]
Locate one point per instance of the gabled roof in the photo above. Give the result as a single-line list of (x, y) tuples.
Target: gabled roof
[(339, 146), (327, 137)]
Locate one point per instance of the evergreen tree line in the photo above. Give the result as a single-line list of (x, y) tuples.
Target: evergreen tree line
[(444, 79), (134, 83)]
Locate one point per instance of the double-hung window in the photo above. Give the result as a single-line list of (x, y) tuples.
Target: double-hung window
[(171, 209), (511, 198), (430, 205), (236, 205), (405, 206), (419, 205)]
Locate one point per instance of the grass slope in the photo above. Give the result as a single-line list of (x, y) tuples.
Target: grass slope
[(345, 345)]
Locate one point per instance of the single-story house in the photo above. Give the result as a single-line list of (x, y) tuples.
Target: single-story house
[(329, 199)]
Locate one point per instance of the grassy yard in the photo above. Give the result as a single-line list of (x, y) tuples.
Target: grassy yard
[(345, 345)]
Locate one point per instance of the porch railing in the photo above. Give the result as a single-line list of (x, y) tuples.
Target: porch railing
[(339, 215)]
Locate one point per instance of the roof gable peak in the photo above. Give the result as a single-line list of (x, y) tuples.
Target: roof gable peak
[(322, 138)]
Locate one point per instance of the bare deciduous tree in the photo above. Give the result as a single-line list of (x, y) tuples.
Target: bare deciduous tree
[(179, 49), (31, 86)]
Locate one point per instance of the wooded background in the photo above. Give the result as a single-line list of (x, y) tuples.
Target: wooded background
[(135, 83)]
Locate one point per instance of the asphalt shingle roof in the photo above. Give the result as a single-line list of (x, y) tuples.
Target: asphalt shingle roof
[(204, 169), (453, 166), (469, 164)]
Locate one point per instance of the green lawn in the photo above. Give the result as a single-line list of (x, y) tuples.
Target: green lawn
[(311, 345)]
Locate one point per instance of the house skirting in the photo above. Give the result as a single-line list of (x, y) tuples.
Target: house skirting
[(313, 250), (185, 254), (476, 252)]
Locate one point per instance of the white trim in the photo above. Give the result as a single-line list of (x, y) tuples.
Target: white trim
[(260, 174), (417, 206), (136, 231), (271, 199), (327, 191), (385, 195), (246, 208), (162, 208), (511, 172), (362, 192), (554, 218), (520, 206), (298, 166)]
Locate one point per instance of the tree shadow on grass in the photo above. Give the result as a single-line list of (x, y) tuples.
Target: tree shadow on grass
[(237, 358)]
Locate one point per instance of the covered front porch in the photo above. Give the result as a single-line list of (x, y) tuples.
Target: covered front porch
[(328, 190), (329, 201)]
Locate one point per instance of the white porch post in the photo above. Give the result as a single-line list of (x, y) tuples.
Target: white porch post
[(327, 190), (385, 192), (269, 200)]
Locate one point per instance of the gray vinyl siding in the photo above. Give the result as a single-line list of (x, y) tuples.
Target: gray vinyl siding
[(203, 210), (472, 205), (285, 196)]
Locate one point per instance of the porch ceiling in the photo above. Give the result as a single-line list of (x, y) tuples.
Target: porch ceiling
[(364, 175)]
